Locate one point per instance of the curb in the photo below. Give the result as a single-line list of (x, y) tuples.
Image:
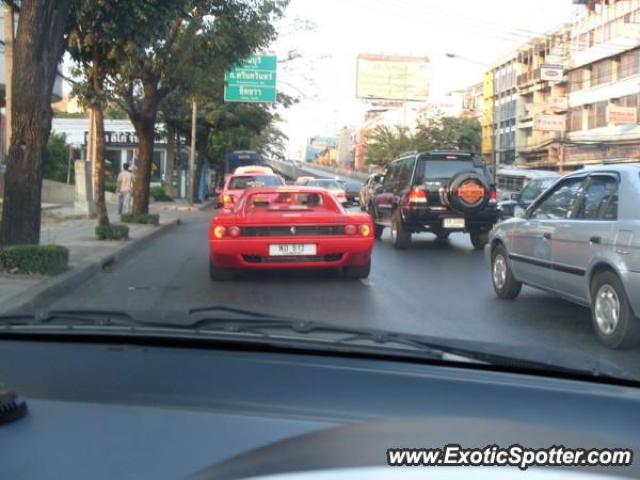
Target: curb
[(62, 284)]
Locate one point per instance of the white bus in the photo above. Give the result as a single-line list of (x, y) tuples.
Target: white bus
[(511, 180)]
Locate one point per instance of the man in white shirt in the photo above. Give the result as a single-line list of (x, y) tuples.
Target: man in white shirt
[(124, 187)]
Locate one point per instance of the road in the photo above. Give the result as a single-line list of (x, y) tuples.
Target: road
[(437, 289)]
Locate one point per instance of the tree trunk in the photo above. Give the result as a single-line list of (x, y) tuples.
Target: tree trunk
[(171, 162), (98, 166), (38, 49), (197, 174), (144, 125)]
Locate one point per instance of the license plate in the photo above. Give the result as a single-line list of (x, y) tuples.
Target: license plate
[(454, 223), (291, 249)]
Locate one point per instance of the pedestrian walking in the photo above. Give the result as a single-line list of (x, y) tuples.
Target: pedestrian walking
[(124, 187)]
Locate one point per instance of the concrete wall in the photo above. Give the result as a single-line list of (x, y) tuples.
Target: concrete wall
[(57, 192)]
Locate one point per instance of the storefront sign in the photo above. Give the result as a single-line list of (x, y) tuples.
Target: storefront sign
[(551, 73), (622, 115), (550, 123), (558, 104)]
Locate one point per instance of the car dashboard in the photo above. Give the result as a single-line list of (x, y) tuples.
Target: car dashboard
[(140, 411)]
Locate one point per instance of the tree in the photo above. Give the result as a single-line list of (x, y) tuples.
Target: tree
[(209, 34), (385, 143), (450, 132), (38, 48), (271, 141), (101, 34)]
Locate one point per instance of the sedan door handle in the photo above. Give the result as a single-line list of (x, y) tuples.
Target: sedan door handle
[(595, 240), (546, 235)]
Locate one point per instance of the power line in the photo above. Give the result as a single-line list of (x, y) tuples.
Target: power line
[(497, 31)]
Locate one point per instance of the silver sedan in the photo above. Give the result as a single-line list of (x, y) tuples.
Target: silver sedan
[(580, 240)]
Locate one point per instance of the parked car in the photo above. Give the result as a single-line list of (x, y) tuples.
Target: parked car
[(235, 185), (368, 188), (439, 192), (333, 186), (520, 201), (289, 228), (352, 190), (579, 240)]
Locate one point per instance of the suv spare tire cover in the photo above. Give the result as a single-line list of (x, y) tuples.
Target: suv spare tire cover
[(468, 192)]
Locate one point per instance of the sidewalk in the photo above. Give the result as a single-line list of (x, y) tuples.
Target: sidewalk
[(87, 255)]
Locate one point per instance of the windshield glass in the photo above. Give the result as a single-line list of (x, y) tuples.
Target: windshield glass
[(249, 181), (292, 200), (329, 184), (534, 188), (381, 146)]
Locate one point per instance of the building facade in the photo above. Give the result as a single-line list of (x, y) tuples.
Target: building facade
[(542, 100), (487, 118), (505, 98), (604, 85)]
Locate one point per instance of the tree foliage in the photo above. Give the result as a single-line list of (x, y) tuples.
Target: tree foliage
[(57, 162), (385, 143), (203, 39)]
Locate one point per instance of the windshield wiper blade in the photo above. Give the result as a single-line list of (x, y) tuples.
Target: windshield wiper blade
[(432, 347), (72, 317), (267, 326), (225, 311)]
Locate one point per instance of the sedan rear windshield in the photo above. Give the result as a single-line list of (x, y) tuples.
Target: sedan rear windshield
[(249, 181), (431, 169)]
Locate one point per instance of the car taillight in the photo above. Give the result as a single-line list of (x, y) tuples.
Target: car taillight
[(219, 231), (364, 230), (228, 200), (234, 232), (493, 194), (350, 229), (417, 195)]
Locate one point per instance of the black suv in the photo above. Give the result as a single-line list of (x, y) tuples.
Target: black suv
[(439, 192)]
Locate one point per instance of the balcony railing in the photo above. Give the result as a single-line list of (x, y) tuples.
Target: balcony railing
[(528, 77)]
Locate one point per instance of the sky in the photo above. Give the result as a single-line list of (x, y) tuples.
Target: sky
[(329, 34)]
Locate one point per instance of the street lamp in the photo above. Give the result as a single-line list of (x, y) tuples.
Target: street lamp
[(466, 59)]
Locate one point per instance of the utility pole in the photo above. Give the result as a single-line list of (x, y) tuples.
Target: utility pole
[(9, 29), (191, 188)]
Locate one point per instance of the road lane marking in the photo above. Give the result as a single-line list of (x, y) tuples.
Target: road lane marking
[(366, 282)]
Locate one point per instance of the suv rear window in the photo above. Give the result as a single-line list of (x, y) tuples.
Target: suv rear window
[(445, 166)]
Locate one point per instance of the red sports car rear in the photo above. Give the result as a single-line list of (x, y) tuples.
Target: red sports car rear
[(289, 228)]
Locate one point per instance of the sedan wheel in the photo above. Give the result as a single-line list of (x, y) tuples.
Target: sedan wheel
[(607, 309), (613, 320), (504, 283)]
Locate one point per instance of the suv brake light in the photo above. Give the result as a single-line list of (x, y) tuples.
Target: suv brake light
[(417, 195)]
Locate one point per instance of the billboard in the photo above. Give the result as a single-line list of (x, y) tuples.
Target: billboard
[(385, 77)]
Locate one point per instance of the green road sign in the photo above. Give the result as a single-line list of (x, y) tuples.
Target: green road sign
[(252, 80)]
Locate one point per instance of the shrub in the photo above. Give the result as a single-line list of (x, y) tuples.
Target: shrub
[(159, 195), (143, 218), (110, 185), (112, 232), (45, 259)]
